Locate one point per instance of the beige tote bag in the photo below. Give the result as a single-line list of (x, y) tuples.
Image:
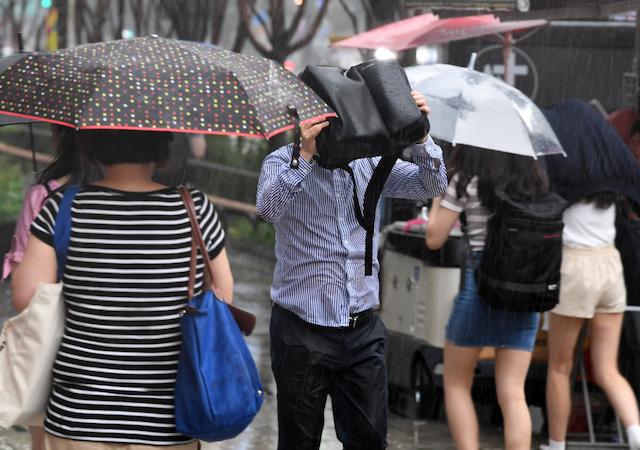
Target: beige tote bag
[(29, 341), (28, 347)]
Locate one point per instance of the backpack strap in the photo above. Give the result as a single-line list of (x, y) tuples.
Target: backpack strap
[(62, 228), (366, 216), (467, 240)]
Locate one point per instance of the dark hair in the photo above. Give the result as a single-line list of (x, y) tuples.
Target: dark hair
[(122, 146), (68, 160), (519, 176), (602, 200), (635, 128)]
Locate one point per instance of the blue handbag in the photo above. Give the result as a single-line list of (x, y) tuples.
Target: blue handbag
[(218, 389)]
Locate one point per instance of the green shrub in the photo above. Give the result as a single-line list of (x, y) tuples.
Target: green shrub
[(247, 153), (243, 230), (11, 189)]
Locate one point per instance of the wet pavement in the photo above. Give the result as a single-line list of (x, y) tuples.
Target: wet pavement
[(252, 274)]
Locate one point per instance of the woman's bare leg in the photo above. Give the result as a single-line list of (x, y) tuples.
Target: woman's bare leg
[(563, 334), (511, 372), (459, 367), (604, 339)]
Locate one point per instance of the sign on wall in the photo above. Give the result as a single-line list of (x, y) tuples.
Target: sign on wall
[(522, 72)]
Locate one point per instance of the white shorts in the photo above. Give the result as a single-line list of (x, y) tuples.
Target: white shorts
[(592, 281)]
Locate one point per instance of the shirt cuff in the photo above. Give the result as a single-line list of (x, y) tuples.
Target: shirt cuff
[(427, 154), (295, 177)]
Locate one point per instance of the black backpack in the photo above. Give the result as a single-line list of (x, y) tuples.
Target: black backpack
[(377, 116), (520, 265)]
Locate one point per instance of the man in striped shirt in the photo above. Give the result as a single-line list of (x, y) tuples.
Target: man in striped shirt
[(325, 339)]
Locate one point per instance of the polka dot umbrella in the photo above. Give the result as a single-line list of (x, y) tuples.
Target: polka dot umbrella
[(5, 62), (153, 83)]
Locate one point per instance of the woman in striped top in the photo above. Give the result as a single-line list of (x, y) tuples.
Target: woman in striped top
[(124, 282), (473, 324)]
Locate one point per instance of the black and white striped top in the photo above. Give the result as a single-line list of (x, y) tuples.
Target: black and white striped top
[(124, 282), (476, 214)]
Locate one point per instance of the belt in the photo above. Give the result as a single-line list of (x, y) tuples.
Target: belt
[(356, 320), (359, 319)]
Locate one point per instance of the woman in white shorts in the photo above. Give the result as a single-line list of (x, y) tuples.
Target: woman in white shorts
[(592, 288)]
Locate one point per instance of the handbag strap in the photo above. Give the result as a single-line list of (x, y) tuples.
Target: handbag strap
[(62, 228), (197, 241), (245, 320)]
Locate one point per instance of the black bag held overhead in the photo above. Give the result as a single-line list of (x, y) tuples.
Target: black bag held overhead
[(520, 265), (358, 131), (391, 92), (377, 116)]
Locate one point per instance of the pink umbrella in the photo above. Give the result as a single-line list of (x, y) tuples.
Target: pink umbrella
[(458, 28), (409, 33), (394, 36), (428, 29)]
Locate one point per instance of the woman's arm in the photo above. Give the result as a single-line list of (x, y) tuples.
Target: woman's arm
[(441, 221), (33, 200), (38, 266), (222, 282)]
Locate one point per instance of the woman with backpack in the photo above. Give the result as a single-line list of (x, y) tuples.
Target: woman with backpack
[(125, 283), (597, 171), (475, 175)]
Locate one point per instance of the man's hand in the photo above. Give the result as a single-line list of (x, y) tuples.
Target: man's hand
[(422, 106), (308, 133), (421, 102)]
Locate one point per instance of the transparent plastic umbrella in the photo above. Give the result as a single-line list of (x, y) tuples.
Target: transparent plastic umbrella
[(472, 108)]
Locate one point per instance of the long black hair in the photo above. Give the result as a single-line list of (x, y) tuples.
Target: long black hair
[(602, 200), (109, 147), (519, 176), (68, 160)]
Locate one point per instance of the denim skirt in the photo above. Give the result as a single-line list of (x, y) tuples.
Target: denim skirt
[(473, 323)]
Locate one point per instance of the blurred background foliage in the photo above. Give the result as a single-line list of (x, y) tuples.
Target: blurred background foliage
[(11, 188)]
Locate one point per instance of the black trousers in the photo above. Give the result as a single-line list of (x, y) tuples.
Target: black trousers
[(310, 362)]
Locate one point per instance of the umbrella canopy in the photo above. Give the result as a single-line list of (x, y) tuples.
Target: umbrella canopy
[(469, 107), (428, 29), (13, 120), (5, 62), (597, 158), (159, 84), (623, 121), (394, 36)]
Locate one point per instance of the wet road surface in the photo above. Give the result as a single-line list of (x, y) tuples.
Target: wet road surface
[(253, 276)]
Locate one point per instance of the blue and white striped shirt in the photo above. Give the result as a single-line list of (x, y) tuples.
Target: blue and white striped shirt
[(319, 273)]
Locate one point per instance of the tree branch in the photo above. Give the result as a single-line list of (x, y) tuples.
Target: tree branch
[(241, 36), (217, 20), (352, 16), (258, 16), (245, 7), (296, 22), (313, 29)]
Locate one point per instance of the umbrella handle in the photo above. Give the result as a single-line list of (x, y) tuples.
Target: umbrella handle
[(295, 156), (472, 61)]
